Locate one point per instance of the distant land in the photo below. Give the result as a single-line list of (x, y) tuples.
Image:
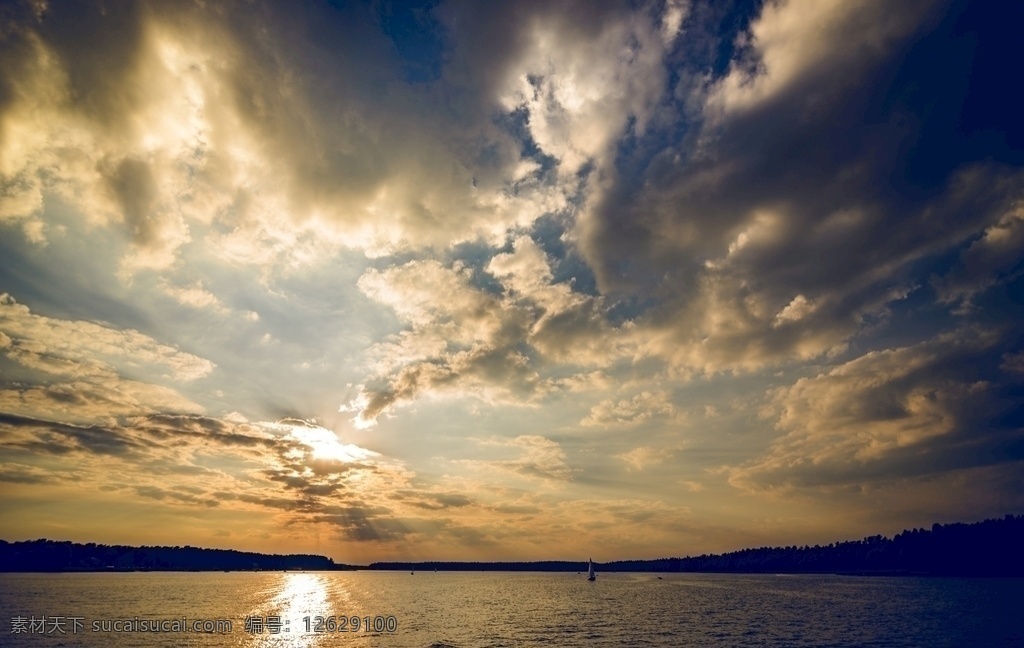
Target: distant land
[(991, 549), (61, 556)]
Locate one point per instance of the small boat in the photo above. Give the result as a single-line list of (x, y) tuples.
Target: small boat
[(591, 576)]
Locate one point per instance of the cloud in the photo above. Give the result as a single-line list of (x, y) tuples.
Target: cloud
[(188, 125), (364, 524), (566, 227), (276, 466), (434, 501), (15, 473), (539, 458), (463, 338), (96, 399), (568, 326), (60, 438), (783, 221), (797, 40), (993, 258), (582, 82), (1013, 362), (794, 311), (643, 456), (154, 492), (66, 347), (77, 365), (196, 296), (899, 412), (643, 407)]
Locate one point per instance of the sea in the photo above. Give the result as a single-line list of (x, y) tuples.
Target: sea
[(491, 609)]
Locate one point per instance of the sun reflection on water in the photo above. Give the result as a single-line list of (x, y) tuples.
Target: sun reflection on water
[(300, 595)]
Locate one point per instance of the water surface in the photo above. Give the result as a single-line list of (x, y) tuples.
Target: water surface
[(475, 610)]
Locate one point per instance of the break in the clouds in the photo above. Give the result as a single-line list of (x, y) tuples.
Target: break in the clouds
[(428, 279)]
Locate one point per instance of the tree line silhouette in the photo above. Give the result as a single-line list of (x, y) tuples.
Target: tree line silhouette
[(58, 556), (989, 548)]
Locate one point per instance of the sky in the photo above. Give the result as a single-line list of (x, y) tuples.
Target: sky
[(509, 280)]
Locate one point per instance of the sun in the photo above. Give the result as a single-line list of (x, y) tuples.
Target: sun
[(324, 444)]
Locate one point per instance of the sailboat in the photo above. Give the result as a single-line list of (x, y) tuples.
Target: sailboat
[(590, 570)]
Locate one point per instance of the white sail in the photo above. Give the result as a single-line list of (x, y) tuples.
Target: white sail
[(590, 571)]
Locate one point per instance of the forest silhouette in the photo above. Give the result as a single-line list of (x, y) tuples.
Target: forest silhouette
[(990, 548)]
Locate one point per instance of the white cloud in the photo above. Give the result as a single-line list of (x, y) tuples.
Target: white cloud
[(567, 326), (792, 39), (641, 408), (66, 347), (794, 311), (642, 457), (463, 340), (195, 296), (581, 87), (79, 368), (98, 398)]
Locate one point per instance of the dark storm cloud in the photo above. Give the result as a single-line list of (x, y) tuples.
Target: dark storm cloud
[(815, 189)]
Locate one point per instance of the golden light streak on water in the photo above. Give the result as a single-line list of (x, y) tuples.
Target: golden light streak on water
[(299, 595)]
